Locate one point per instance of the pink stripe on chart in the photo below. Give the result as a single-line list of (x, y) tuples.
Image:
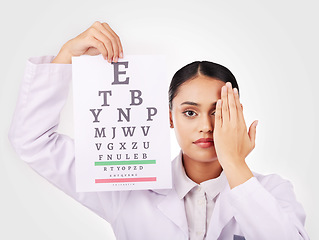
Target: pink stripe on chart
[(120, 180)]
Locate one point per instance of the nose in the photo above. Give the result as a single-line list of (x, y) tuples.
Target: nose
[(207, 124)]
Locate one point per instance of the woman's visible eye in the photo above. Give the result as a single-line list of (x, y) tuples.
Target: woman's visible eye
[(213, 113), (190, 113)]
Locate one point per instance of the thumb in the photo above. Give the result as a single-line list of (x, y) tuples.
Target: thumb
[(252, 131)]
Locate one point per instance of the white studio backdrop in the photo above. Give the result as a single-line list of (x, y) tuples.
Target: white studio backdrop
[(270, 46)]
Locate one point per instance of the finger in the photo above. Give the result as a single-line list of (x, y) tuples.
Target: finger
[(117, 38), (99, 46), (231, 103), (109, 41), (92, 51), (225, 108), (103, 41), (218, 114), (252, 132), (106, 29), (240, 113)]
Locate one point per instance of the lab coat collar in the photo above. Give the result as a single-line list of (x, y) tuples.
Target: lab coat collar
[(177, 168), (172, 206), (182, 183)]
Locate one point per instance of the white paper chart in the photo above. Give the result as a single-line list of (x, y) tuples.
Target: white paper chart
[(121, 120)]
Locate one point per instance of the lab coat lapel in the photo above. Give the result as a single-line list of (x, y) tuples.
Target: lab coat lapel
[(222, 214), (173, 208)]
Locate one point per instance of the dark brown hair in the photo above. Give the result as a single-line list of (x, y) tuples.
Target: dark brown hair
[(194, 69)]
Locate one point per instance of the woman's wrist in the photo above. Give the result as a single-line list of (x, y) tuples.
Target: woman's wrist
[(237, 174), (63, 57)]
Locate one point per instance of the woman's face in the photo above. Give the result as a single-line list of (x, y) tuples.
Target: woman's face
[(193, 117)]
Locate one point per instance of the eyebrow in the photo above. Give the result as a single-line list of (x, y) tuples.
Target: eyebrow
[(196, 104)]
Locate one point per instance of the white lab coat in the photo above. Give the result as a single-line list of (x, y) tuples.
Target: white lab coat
[(264, 207)]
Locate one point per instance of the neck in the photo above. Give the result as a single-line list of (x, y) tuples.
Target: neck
[(201, 171)]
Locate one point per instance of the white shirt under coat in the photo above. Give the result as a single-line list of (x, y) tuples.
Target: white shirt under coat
[(199, 200)]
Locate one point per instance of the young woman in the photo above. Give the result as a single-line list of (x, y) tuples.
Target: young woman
[(214, 196)]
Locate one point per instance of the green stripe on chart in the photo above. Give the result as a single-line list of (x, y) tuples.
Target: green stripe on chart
[(136, 162)]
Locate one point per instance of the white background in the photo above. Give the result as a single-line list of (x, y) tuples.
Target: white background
[(270, 46)]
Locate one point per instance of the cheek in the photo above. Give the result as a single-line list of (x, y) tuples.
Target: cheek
[(183, 129)]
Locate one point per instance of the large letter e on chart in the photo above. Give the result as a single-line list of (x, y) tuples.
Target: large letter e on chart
[(117, 73)]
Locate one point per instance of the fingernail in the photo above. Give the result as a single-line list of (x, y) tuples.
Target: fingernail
[(121, 55), (219, 103), (228, 84), (235, 90), (256, 123)]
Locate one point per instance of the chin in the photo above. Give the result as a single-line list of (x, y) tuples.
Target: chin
[(203, 155)]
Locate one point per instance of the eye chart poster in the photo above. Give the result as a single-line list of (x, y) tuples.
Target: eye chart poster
[(121, 120)]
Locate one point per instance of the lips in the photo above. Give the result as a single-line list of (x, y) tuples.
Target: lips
[(204, 142)]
